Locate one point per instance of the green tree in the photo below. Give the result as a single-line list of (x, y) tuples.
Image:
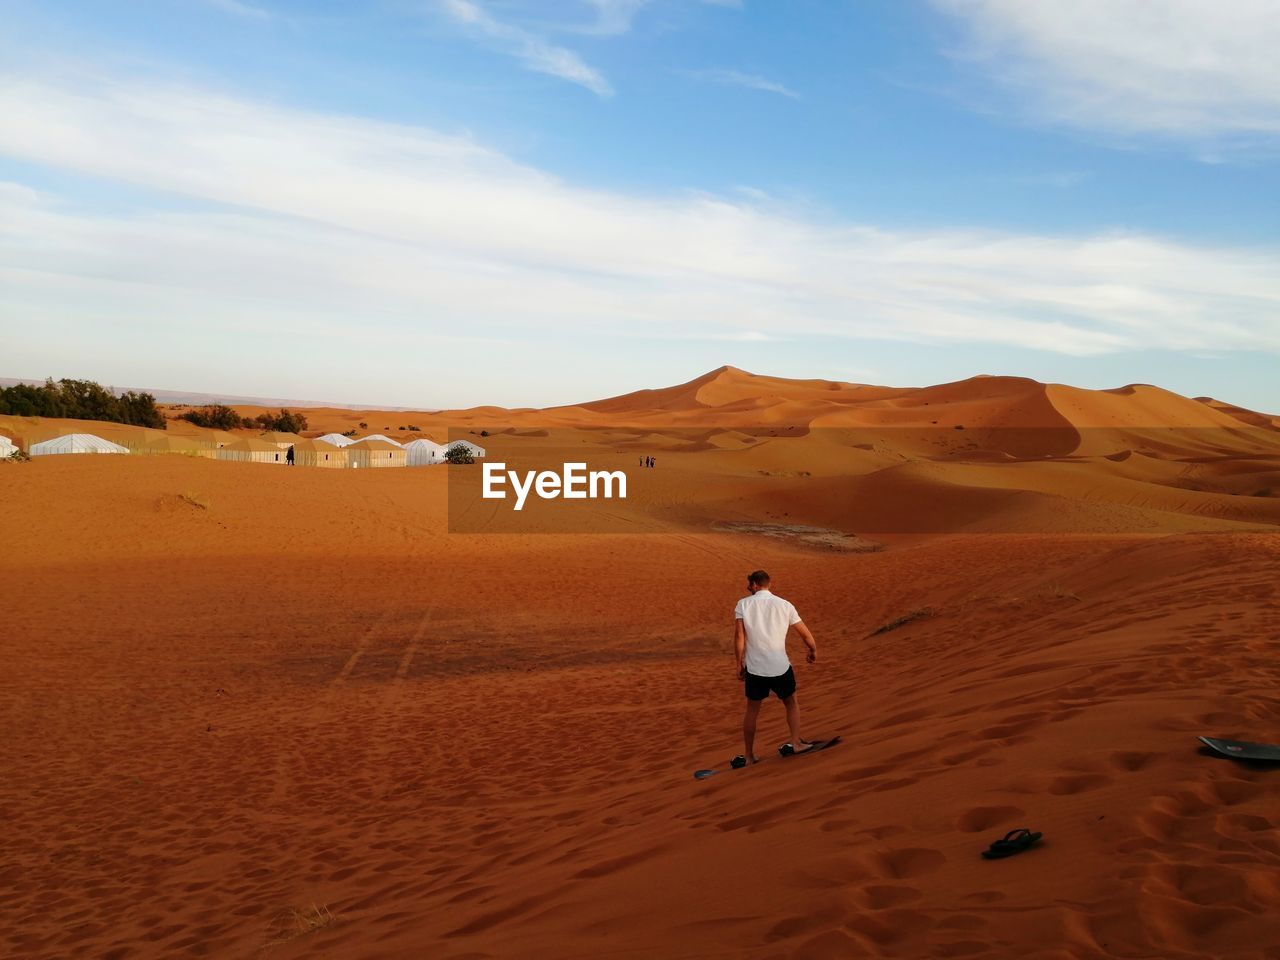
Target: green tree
[(80, 400), (283, 422), (140, 409), (289, 422), (214, 416)]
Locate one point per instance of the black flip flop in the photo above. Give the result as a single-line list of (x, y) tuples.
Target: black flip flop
[(1015, 841), (738, 762)]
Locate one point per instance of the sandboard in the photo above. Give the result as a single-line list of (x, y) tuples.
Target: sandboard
[(1240, 750), (817, 745)]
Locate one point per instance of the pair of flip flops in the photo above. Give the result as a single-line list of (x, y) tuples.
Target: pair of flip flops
[(1015, 841), (786, 750)]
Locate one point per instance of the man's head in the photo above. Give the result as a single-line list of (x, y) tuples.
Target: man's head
[(757, 580)]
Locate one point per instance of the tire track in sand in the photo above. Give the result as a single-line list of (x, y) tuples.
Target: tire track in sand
[(282, 779), (361, 646), (388, 709)]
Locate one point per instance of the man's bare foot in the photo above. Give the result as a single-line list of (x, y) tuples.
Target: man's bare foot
[(790, 749)]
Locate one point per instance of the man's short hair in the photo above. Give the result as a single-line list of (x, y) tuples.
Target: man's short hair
[(758, 578)]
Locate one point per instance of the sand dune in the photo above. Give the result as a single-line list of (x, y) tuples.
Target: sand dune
[(233, 693), (1250, 417)]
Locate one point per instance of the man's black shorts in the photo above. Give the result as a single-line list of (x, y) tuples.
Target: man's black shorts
[(758, 688)]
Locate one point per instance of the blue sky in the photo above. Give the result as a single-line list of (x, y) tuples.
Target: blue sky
[(451, 202)]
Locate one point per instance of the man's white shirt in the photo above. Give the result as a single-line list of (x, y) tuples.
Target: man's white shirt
[(766, 619)]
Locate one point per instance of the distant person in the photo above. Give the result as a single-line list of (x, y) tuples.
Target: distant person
[(761, 623), (653, 462), (288, 457)]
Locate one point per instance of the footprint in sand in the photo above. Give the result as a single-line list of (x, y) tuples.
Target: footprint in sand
[(1228, 793), (1131, 761), (1077, 783), (791, 927), (907, 862), (884, 928)]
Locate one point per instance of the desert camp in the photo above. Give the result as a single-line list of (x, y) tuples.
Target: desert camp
[(275, 448)]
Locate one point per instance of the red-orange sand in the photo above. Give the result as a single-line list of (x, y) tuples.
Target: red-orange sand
[(233, 692)]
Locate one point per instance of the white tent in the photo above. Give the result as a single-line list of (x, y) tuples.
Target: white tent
[(317, 453), (7, 449), (476, 451), (375, 453), (252, 450), (337, 439), (75, 443), (423, 453), (381, 436)]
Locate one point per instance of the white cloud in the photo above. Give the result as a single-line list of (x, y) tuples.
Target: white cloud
[(347, 231), (614, 16), (1182, 68), (736, 78), (535, 52)]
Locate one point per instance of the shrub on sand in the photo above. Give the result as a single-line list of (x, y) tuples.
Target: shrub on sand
[(293, 923)]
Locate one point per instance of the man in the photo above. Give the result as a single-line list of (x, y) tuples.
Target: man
[(761, 623)]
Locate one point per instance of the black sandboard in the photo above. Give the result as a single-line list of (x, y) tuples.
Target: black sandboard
[(817, 745), (1240, 750)]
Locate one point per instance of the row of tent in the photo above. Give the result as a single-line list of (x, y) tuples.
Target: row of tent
[(372, 451), (418, 453)]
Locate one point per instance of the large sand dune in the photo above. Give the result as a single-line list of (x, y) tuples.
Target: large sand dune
[(234, 691)]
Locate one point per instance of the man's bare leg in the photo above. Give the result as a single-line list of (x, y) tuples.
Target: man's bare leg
[(749, 729), (798, 743)]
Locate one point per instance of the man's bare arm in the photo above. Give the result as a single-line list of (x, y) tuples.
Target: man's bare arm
[(739, 645), (809, 642)]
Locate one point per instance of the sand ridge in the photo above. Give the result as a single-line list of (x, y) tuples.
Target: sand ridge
[(233, 691)]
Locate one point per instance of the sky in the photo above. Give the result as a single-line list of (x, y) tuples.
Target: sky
[(442, 203)]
